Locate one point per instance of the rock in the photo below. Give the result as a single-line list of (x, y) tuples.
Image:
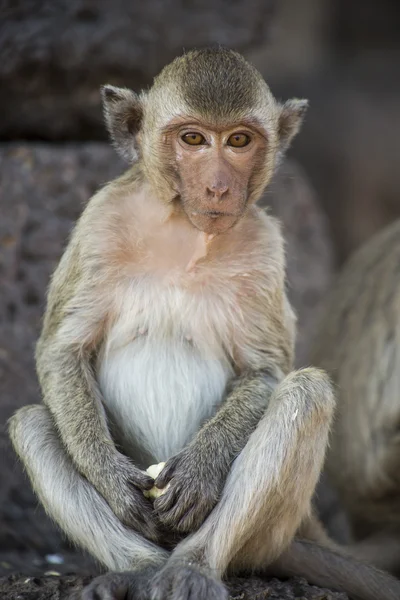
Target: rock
[(21, 587), (42, 191), (273, 589), (353, 109), (359, 27), (43, 188), (344, 57), (55, 55), (308, 248)]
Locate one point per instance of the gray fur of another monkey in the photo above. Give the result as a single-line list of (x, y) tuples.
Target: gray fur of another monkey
[(168, 336), (359, 345)]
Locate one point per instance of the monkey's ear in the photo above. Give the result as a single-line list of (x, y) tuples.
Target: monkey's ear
[(290, 120), (123, 113)]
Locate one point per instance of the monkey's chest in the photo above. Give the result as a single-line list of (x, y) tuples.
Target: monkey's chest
[(163, 371)]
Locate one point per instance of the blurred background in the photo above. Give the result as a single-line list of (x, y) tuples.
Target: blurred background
[(338, 186)]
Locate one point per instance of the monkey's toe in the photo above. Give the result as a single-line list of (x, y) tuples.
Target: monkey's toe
[(120, 586), (184, 581), (107, 587)]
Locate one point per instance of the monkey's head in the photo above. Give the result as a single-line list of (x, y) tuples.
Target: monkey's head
[(208, 134)]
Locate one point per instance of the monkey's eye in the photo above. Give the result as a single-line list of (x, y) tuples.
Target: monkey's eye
[(238, 140), (193, 138)]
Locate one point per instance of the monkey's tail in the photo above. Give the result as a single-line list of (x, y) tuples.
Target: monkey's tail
[(329, 568)]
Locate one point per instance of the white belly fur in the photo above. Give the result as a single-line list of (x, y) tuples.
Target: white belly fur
[(159, 392)]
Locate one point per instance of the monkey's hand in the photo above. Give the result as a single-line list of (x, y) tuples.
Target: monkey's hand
[(195, 480), (127, 500)]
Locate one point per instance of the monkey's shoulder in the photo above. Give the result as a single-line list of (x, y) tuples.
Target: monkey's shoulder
[(259, 242)]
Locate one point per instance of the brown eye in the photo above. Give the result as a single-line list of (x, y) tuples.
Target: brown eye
[(238, 140), (193, 138)]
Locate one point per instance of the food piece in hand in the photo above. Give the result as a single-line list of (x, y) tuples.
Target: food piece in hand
[(154, 471)]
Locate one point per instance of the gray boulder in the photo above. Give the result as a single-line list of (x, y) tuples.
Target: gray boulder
[(56, 54)]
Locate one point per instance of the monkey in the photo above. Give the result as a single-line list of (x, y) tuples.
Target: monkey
[(168, 337), (358, 344)]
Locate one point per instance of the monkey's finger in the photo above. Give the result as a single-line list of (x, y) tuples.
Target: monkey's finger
[(107, 587), (191, 584), (161, 586), (138, 494), (185, 582), (170, 517), (143, 504), (173, 518), (167, 473), (150, 531), (167, 500), (189, 520), (142, 480), (142, 518)]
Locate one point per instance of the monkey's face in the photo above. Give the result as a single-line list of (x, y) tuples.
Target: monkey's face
[(208, 134), (214, 170)]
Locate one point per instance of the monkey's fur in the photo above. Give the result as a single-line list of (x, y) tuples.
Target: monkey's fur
[(359, 345), (168, 336)]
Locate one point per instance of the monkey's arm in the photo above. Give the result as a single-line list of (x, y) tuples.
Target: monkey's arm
[(73, 323), (263, 356), (196, 475)]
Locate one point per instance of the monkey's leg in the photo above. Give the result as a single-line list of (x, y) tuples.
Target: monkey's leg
[(267, 494), (267, 498), (381, 549), (364, 458), (335, 569), (71, 500)]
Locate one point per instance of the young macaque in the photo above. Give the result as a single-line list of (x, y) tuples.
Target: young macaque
[(359, 344), (168, 336)]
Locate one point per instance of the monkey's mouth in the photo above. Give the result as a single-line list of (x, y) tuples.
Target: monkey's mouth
[(213, 221), (213, 214)]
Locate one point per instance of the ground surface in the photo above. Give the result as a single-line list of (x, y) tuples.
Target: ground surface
[(52, 587)]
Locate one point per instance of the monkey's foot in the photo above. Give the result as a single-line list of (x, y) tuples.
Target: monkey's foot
[(185, 581), (130, 585)]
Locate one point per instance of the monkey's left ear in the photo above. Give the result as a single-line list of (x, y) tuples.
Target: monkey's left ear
[(290, 120), (123, 112)]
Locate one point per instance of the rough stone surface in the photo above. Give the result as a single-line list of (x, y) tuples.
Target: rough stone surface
[(344, 57), (17, 587), (353, 110), (42, 192), (43, 188), (56, 54), (308, 249)]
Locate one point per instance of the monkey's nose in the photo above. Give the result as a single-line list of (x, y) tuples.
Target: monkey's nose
[(216, 191)]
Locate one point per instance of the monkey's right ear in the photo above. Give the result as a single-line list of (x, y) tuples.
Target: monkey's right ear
[(123, 113)]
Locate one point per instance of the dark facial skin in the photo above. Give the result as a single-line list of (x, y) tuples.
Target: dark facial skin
[(214, 168)]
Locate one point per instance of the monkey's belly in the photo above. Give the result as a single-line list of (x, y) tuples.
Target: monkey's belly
[(158, 393)]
